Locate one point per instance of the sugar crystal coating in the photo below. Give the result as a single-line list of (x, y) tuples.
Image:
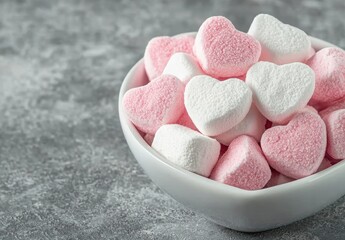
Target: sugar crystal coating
[(281, 43), (216, 106), (298, 148), (329, 67), (184, 66), (335, 124), (223, 51), (243, 165), (280, 91), (157, 103), (187, 148), (160, 49)]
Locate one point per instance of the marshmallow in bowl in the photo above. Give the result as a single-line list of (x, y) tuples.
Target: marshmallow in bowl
[(216, 106), (159, 50), (157, 103), (243, 165), (280, 43), (183, 66), (335, 124), (298, 148), (329, 67), (187, 148), (279, 91), (222, 50)]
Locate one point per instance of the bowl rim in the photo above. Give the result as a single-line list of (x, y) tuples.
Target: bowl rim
[(317, 44)]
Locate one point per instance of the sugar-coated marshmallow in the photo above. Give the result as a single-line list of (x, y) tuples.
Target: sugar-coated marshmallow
[(280, 91), (159, 50), (184, 66), (187, 148), (243, 165), (329, 67), (223, 51), (298, 148), (216, 106), (281, 43), (157, 103), (335, 124)]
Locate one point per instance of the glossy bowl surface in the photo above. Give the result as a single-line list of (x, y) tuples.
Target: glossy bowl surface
[(242, 210)]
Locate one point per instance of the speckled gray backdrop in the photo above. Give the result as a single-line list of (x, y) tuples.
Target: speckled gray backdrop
[(65, 169)]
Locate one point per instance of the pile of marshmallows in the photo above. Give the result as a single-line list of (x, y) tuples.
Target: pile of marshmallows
[(250, 110)]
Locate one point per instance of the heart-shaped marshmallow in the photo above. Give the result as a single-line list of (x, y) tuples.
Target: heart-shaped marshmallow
[(329, 67), (298, 148), (159, 50), (335, 124), (187, 148), (157, 103), (222, 50), (243, 165), (280, 91), (183, 66), (280, 43), (216, 106), (252, 125)]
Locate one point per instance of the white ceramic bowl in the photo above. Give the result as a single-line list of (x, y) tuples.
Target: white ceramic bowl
[(242, 210)]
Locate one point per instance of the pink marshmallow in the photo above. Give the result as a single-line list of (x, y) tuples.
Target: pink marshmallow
[(160, 49), (329, 67), (243, 165), (155, 104), (335, 124), (298, 148), (223, 51)]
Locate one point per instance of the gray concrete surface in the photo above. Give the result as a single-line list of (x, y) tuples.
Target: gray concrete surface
[(65, 169)]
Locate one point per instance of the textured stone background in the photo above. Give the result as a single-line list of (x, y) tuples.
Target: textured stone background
[(65, 169)]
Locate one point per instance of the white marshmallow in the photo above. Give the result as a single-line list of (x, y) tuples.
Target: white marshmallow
[(216, 106), (280, 43), (183, 66), (187, 148), (280, 91), (252, 125)]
